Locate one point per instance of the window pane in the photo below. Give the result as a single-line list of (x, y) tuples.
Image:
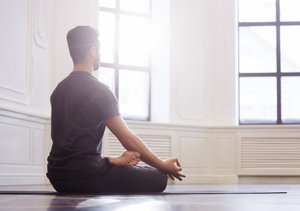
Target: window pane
[(107, 36), (107, 76), (134, 94), (134, 41), (141, 6), (290, 48), (257, 49), (107, 3), (289, 10), (290, 103), (258, 102), (257, 10)]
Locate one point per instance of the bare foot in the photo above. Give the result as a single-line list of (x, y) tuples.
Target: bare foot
[(128, 158)]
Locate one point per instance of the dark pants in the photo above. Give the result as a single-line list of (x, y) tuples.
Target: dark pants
[(117, 179)]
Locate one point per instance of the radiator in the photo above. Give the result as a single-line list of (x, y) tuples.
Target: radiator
[(159, 144), (269, 154)]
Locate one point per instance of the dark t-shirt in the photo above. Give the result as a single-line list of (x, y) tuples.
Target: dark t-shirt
[(80, 104)]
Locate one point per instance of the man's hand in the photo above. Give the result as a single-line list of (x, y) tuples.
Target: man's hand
[(128, 158), (172, 167)]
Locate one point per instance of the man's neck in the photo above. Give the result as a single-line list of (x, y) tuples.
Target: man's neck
[(83, 67)]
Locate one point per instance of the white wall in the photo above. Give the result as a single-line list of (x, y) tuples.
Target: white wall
[(24, 56), (67, 14), (160, 61), (203, 76), (24, 87)]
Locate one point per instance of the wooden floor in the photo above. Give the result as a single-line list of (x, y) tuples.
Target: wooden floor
[(177, 202)]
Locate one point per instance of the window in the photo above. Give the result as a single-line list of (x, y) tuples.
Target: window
[(269, 64), (124, 27)]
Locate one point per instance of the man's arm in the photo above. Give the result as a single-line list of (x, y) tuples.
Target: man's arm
[(131, 142)]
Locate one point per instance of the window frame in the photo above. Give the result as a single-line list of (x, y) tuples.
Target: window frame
[(278, 74), (116, 66)]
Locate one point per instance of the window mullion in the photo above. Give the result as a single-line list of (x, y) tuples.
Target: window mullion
[(117, 48), (278, 56)]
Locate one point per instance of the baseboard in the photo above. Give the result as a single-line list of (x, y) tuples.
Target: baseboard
[(269, 179), (209, 179), (23, 180)]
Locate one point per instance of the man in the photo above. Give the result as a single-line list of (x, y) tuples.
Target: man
[(81, 109)]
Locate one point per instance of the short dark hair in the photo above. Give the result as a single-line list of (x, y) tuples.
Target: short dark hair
[(80, 40)]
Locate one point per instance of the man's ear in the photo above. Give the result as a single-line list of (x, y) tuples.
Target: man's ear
[(93, 51)]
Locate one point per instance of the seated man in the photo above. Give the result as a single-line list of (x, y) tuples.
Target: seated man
[(81, 109)]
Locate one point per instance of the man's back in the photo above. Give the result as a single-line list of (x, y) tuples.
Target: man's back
[(80, 104)]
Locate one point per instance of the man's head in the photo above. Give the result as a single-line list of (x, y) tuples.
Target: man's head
[(84, 45)]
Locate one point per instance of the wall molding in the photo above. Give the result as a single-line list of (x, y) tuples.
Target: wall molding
[(23, 179), (21, 96), (23, 114), (41, 23)]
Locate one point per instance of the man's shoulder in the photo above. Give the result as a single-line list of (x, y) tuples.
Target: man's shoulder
[(81, 81)]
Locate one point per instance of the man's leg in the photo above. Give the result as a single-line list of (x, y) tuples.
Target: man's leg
[(118, 179), (132, 179)]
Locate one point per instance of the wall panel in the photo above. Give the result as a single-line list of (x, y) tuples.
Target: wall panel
[(14, 144), (194, 153), (224, 157), (15, 45), (22, 152), (37, 147)]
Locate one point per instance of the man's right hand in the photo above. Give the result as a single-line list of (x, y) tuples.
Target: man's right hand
[(172, 167)]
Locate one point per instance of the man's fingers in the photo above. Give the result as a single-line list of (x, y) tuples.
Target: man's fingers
[(174, 160), (178, 177), (177, 162), (171, 177), (137, 154), (178, 166), (181, 175)]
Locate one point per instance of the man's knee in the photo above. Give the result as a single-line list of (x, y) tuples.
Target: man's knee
[(162, 182)]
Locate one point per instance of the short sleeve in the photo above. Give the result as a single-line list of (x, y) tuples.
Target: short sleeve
[(106, 104)]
